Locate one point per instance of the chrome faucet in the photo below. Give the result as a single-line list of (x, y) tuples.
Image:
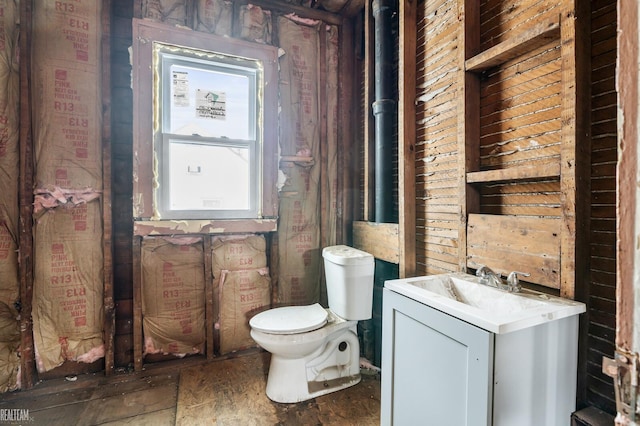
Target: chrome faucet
[(512, 281), (490, 278)]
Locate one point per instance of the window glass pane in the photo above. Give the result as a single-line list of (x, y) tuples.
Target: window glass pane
[(210, 102), (208, 177)]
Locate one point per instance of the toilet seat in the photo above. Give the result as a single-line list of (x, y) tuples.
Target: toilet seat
[(290, 319)]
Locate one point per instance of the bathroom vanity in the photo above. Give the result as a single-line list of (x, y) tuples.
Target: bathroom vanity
[(456, 352)]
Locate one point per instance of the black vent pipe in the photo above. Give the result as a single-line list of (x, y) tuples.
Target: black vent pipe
[(384, 109)]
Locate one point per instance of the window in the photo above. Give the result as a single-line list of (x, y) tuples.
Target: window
[(209, 144), (205, 126)]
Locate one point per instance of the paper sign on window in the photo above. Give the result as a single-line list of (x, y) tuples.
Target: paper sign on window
[(211, 104), (180, 89)]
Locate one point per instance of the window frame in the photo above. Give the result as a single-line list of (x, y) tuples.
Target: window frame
[(165, 57), (147, 162)]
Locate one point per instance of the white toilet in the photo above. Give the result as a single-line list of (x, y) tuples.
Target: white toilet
[(315, 351)]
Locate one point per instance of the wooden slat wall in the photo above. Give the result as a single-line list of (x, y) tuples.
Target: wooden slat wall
[(539, 198), (520, 106), (520, 111), (437, 110), (501, 19), (601, 304), (534, 243)]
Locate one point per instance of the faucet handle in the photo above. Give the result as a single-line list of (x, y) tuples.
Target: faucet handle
[(483, 271), (512, 280)]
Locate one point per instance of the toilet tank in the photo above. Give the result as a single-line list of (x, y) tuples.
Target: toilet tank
[(349, 276)]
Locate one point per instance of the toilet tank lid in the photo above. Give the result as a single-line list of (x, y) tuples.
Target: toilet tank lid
[(345, 255)]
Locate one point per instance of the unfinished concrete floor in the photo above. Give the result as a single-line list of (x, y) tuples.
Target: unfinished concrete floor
[(222, 392)]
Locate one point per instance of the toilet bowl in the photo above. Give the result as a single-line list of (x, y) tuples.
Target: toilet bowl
[(312, 363), (315, 351)]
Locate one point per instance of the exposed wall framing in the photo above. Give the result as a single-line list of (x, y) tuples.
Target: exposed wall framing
[(406, 138), (331, 170), (27, 358), (437, 175), (34, 166), (107, 217)]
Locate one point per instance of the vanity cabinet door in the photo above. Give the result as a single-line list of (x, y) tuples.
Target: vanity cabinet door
[(436, 369)]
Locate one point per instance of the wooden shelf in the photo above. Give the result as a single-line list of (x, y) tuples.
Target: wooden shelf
[(549, 170), (527, 41)]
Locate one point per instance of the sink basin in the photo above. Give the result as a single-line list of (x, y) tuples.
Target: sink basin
[(498, 311)]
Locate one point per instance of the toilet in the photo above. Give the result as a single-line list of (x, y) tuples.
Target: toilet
[(315, 351)]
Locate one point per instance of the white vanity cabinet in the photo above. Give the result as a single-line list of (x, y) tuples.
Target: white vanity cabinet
[(441, 370)]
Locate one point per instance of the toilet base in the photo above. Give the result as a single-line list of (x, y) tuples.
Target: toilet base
[(333, 367)]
